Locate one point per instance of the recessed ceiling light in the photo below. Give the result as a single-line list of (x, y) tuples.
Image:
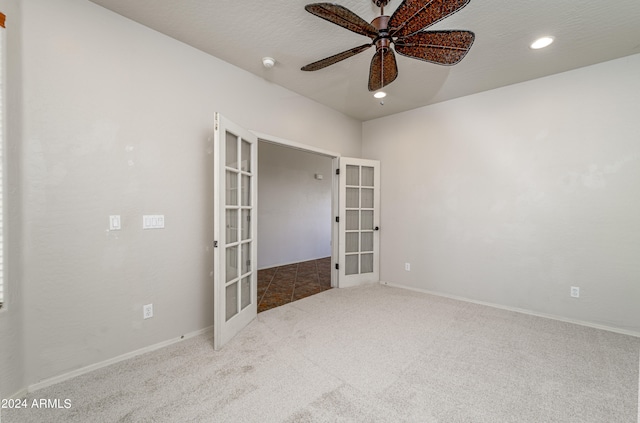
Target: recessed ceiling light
[(541, 43), (380, 94)]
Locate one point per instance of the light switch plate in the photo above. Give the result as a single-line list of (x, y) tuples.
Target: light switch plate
[(114, 223), (153, 221)]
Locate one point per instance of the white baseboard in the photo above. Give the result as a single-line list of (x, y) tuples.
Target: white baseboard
[(518, 310), (70, 375), (21, 393), (271, 266)]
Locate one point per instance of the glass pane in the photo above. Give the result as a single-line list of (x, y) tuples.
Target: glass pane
[(232, 188), (232, 226), (231, 302), (353, 198), (353, 175), (246, 190), (245, 292), (352, 223), (232, 263), (246, 224), (246, 257), (367, 198), (246, 156), (232, 151), (367, 219), (367, 176), (366, 241), (351, 239), (351, 265), (366, 264)]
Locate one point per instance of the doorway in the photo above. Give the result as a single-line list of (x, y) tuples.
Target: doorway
[(295, 191), (354, 235)]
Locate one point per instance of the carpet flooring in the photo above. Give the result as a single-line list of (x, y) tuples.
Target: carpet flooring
[(283, 284), (368, 354)]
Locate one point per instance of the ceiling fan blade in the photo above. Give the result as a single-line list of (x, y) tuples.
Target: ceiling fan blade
[(441, 47), (384, 69), (335, 58), (343, 17), (414, 15)]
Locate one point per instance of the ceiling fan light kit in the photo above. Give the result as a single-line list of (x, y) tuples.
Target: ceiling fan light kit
[(404, 29)]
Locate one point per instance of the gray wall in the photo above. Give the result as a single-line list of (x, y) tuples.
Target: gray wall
[(509, 196), (118, 119), (514, 195), (294, 213), (11, 315)]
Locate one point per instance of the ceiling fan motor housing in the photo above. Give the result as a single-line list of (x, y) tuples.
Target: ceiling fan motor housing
[(383, 41)]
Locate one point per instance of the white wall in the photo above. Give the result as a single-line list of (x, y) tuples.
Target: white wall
[(11, 315), (118, 119), (512, 196), (294, 213)]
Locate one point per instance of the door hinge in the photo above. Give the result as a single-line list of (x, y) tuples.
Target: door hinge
[(337, 266), (337, 219), (337, 171), (215, 244)]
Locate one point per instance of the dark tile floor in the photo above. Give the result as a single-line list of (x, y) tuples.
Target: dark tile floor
[(281, 285)]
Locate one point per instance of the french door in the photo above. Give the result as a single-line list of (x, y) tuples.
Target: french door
[(359, 217), (235, 229), (235, 226)]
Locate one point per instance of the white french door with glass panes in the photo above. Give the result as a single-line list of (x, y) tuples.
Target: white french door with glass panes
[(235, 229), (359, 217)]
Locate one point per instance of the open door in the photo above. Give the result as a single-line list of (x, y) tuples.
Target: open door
[(358, 220), (235, 229)]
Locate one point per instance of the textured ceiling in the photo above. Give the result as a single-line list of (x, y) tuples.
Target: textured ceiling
[(241, 32)]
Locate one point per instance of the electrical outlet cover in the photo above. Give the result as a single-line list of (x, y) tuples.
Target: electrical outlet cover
[(147, 311)]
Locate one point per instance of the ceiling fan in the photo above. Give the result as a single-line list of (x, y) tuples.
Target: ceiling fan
[(405, 29)]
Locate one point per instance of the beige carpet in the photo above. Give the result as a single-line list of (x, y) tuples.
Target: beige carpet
[(373, 354)]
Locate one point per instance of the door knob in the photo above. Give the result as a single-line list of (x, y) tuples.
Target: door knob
[(377, 228)]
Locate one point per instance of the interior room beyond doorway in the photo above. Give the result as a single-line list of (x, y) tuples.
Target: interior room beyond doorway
[(294, 223)]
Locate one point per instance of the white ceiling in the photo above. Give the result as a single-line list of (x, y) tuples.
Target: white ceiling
[(241, 32)]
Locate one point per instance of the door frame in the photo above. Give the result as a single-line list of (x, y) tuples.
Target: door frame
[(335, 191)]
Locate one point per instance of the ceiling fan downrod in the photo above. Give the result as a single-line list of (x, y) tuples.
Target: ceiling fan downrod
[(381, 4)]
